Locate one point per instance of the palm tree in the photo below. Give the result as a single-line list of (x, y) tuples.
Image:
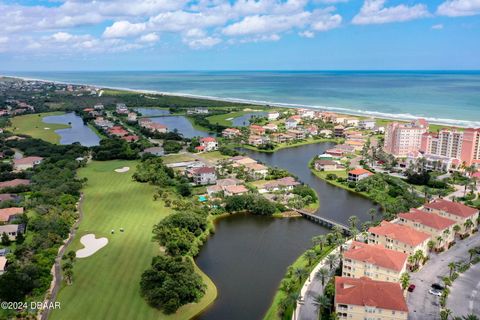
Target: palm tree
[(470, 316), (439, 241), (447, 281), (405, 280), (300, 273), (353, 221), (322, 274), (452, 266), (319, 241), (310, 255), (372, 212), (68, 273), (287, 285), (419, 256), (445, 314), (331, 259), (471, 252), (468, 224), (292, 300), (323, 303), (456, 228), (431, 245)]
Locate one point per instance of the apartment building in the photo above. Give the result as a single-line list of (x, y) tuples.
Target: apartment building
[(447, 143), (404, 138), (471, 146), (434, 225), (364, 298), (399, 237), (373, 261), (455, 211)]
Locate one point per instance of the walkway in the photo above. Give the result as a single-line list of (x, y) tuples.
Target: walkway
[(464, 295), (322, 220), (423, 305)]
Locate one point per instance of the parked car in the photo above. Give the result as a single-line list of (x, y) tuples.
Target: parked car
[(437, 286), (411, 288), (435, 292)]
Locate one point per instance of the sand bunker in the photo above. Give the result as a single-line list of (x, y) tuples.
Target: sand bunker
[(46, 128), (91, 245), (124, 169)]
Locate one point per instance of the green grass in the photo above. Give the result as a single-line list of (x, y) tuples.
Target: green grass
[(33, 125), (213, 156), (173, 158), (289, 145), (106, 285), (221, 119)]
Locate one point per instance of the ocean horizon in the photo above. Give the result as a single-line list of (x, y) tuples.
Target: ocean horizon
[(447, 97)]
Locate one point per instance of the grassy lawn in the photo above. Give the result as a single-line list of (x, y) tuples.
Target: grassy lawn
[(32, 125), (106, 285), (213, 156), (289, 145), (173, 158), (221, 119)]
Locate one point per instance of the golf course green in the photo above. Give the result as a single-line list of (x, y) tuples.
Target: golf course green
[(106, 284)]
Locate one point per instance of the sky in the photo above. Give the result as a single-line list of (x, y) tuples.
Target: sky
[(77, 35)]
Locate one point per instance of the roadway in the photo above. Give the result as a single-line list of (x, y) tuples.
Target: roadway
[(423, 305), (464, 295)]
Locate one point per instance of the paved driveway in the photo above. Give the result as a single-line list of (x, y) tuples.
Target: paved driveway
[(464, 295), (423, 305)]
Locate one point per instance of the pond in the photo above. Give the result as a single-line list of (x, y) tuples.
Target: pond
[(248, 255), (245, 119), (152, 112), (78, 132), (182, 124)]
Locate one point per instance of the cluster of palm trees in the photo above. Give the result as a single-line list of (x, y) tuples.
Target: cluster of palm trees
[(416, 259), (67, 266)]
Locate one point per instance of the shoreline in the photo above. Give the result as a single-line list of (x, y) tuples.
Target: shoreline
[(359, 113)]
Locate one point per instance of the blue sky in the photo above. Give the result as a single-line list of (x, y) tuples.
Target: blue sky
[(239, 34)]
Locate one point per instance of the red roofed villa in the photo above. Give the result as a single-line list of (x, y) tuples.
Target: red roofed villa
[(464, 216), (8, 214), (358, 174)]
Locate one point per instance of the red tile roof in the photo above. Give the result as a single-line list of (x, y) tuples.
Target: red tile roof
[(427, 219), (359, 171), (376, 255), (400, 232), (208, 139), (367, 292), (27, 160), (14, 183), (204, 170), (6, 213), (235, 189), (454, 208)]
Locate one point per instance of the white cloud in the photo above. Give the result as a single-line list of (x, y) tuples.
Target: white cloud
[(122, 29), (198, 43), (306, 34), (3, 40), (62, 36), (375, 12), (458, 8), (437, 26), (324, 20), (149, 38)]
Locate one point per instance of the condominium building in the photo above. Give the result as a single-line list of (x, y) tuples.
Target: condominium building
[(403, 138), (456, 211), (433, 224), (446, 143), (373, 261), (399, 237), (471, 146), (364, 298)]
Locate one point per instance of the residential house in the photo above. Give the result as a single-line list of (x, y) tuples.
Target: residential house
[(203, 175), (257, 130), (242, 161), (456, 211), (358, 174), (14, 183), (26, 163), (312, 130), (8, 197), (367, 124), (103, 123), (7, 215), (326, 133), (327, 165), (257, 170), (209, 143), (157, 151), (117, 131), (197, 110), (291, 123), (373, 261), (213, 190), (132, 117), (364, 298), (339, 131), (255, 140), (3, 263), (286, 183), (271, 127), (234, 190), (231, 133), (12, 230), (399, 237), (306, 113), (274, 115), (131, 138), (433, 224), (296, 134), (351, 122), (280, 137), (228, 182), (121, 108)]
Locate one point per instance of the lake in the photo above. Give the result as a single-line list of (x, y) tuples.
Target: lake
[(245, 119), (248, 255), (152, 112), (182, 124), (78, 132)]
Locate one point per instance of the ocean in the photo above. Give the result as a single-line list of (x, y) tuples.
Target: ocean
[(444, 97)]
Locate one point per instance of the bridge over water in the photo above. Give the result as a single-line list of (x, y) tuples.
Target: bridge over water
[(323, 221)]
